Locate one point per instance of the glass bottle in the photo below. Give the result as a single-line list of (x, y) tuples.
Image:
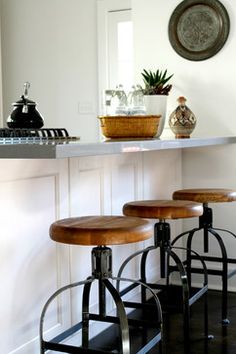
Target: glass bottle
[(121, 107), (136, 101), (108, 106)]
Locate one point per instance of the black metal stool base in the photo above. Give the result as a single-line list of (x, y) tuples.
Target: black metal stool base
[(101, 273), (206, 226), (187, 298)]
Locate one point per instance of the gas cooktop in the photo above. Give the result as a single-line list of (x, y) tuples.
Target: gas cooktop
[(21, 135)]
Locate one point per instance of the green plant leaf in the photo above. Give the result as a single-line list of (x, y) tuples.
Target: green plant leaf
[(155, 82)]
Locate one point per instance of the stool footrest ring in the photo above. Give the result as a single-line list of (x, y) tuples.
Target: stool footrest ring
[(121, 319)]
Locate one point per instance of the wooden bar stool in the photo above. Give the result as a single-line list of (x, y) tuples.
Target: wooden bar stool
[(206, 196), (102, 231), (164, 210)]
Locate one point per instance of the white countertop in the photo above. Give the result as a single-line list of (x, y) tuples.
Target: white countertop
[(66, 149)]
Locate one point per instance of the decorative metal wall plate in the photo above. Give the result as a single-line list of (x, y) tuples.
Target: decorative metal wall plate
[(198, 29)]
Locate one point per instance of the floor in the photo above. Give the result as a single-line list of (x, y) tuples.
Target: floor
[(224, 341)]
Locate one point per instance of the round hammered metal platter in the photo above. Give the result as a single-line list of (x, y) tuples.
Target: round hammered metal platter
[(198, 29)]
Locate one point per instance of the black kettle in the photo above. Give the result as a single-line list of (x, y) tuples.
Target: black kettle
[(25, 114)]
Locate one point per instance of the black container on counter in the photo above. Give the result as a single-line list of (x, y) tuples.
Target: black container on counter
[(25, 114)]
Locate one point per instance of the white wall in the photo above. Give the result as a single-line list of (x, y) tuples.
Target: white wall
[(208, 84), (52, 44)]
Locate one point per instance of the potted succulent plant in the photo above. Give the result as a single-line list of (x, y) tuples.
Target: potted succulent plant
[(156, 90)]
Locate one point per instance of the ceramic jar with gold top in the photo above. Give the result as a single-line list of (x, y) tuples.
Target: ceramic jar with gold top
[(182, 121)]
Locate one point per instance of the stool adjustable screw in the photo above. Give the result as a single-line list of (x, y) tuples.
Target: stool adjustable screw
[(162, 234), (205, 223), (162, 240), (102, 262), (206, 219)]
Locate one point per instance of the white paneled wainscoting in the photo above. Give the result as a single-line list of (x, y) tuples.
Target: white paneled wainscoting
[(34, 193)]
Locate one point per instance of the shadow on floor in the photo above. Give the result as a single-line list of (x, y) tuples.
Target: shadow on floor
[(224, 341)]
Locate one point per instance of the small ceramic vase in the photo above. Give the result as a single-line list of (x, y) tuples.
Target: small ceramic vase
[(182, 121)]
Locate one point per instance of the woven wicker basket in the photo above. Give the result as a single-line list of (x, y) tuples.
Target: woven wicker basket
[(129, 126)]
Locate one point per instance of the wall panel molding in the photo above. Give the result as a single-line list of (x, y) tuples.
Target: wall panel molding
[(32, 266)]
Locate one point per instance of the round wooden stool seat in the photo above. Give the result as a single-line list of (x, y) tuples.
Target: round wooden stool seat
[(100, 230), (163, 209), (207, 195)]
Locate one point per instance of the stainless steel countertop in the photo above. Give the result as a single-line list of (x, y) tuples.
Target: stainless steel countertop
[(66, 149)]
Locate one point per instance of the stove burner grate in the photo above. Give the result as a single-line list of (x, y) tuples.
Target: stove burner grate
[(43, 133)]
